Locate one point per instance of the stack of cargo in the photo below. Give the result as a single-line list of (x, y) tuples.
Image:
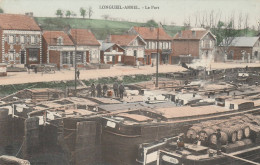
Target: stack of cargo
[(235, 131)]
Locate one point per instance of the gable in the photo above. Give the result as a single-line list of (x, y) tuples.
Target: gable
[(208, 36), (137, 42)]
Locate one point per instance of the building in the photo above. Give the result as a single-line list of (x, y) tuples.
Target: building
[(194, 43), (151, 35), (134, 47), (58, 49), (244, 49), (111, 53), (21, 40), (88, 47)]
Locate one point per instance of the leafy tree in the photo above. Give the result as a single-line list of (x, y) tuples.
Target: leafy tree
[(90, 12), (151, 23), (68, 13), (1, 10), (59, 13), (82, 12)]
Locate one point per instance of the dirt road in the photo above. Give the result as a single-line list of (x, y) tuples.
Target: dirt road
[(24, 77)]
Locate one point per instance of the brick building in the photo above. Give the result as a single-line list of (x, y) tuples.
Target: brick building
[(111, 53), (194, 43), (151, 35), (245, 49), (134, 47), (88, 48), (21, 40), (58, 49)]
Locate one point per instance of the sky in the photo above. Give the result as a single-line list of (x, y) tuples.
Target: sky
[(169, 12)]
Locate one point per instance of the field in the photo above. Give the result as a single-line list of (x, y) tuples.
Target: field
[(100, 28)]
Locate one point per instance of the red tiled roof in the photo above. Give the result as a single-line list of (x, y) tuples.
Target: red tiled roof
[(84, 37), (187, 34), (52, 36), (18, 22), (122, 40), (151, 33)]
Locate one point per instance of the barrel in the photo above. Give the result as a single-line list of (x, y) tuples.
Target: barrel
[(238, 129), (205, 134), (247, 131), (223, 138), (215, 127), (231, 133), (193, 131)]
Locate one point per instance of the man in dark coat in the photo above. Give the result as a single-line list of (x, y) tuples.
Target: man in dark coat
[(78, 73), (99, 89), (115, 88), (105, 88), (121, 91), (218, 142), (93, 90)]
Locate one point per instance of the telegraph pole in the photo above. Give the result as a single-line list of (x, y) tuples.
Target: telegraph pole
[(157, 57), (75, 63)]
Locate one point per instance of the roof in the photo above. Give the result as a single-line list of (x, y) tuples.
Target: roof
[(122, 40), (84, 37), (187, 111), (149, 33), (52, 36), (136, 117), (187, 34), (242, 41), (18, 22), (239, 101)]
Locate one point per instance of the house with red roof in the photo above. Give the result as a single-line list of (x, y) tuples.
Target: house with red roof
[(111, 53), (194, 43), (88, 47), (58, 49), (133, 45), (20, 41), (151, 35)]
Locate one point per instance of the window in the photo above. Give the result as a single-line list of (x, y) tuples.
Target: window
[(22, 39), (33, 55), (65, 57), (135, 53), (33, 40), (11, 56), (60, 41), (11, 39), (160, 45), (230, 55), (170, 45), (231, 106), (79, 57)]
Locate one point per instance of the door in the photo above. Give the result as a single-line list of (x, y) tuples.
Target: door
[(22, 57)]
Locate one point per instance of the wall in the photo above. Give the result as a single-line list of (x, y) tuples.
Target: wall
[(185, 47), (54, 57)]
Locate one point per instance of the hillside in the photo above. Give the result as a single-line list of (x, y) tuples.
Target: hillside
[(101, 28)]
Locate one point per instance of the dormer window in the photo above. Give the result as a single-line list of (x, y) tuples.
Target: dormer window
[(59, 41), (193, 33)]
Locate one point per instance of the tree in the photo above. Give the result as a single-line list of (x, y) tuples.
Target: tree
[(1, 10), (90, 12), (68, 13), (59, 13), (151, 23), (82, 12)]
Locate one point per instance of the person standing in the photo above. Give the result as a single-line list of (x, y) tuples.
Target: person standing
[(98, 90), (115, 88), (93, 90), (218, 142), (121, 91), (105, 88), (78, 73)]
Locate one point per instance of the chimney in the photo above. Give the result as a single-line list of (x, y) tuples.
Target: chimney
[(193, 33), (30, 14), (180, 34)]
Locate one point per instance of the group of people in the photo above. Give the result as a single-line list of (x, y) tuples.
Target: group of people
[(99, 91)]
